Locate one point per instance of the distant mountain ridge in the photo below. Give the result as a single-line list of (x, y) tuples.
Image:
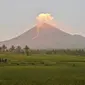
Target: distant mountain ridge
[(49, 37)]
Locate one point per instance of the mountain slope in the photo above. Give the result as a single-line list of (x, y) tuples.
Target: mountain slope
[(49, 37)]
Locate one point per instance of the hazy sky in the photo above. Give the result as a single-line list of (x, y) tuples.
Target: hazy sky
[(17, 16)]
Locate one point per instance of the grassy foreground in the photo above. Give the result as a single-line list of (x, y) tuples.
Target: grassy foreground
[(42, 70)]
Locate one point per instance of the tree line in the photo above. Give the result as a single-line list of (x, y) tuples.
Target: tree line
[(26, 50), (79, 52), (13, 49)]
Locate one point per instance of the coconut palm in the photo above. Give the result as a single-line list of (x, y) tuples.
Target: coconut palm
[(18, 49), (12, 49), (4, 48), (27, 49)]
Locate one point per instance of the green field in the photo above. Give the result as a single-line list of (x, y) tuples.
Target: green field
[(42, 70)]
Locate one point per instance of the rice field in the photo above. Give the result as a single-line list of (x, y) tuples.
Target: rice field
[(42, 70)]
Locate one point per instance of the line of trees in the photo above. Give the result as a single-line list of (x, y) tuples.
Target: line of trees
[(26, 50), (13, 49), (61, 52), (67, 51)]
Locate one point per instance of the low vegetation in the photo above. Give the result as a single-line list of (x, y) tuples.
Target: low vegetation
[(41, 67)]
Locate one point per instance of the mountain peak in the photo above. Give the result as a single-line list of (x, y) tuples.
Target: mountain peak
[(47, 25)]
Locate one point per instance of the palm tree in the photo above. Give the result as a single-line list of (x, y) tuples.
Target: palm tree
[(12, 49), (27, 49), (18, 49), (0, 49), (4, 48)]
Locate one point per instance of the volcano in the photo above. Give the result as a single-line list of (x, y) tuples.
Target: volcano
[(49, 37)]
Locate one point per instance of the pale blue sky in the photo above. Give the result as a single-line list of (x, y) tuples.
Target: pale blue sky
[(17, 16)]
